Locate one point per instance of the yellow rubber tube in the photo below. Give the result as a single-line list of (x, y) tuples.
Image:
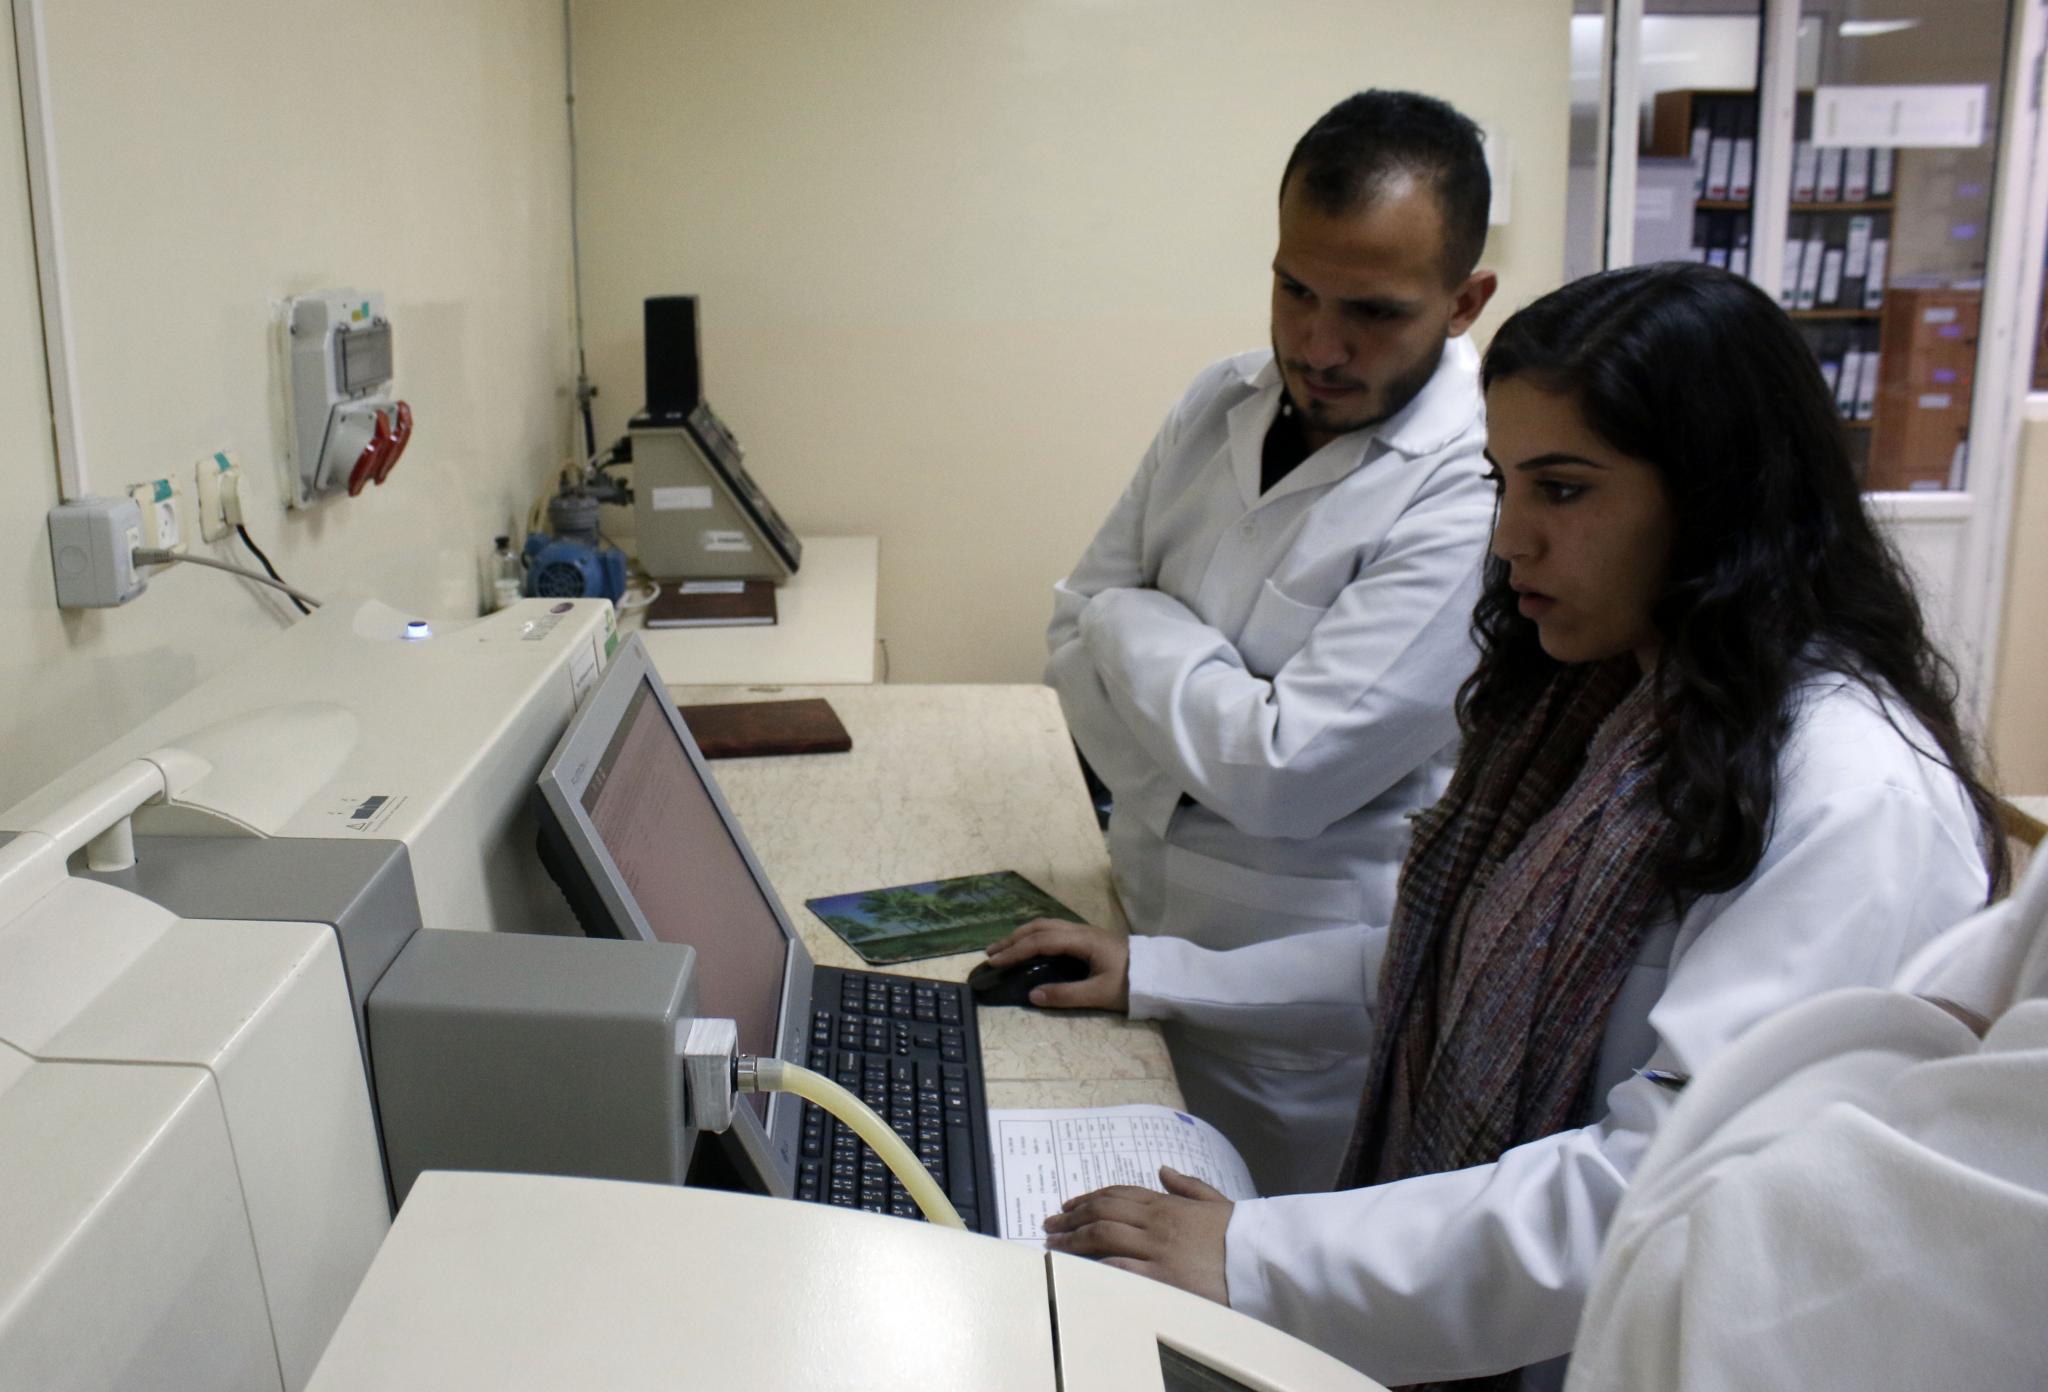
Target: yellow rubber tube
[(774, 1075)]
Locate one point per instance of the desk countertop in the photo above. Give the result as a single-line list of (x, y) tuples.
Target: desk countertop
[(943, 781)]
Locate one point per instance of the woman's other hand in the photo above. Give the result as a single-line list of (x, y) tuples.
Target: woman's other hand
[(1176, 1237)]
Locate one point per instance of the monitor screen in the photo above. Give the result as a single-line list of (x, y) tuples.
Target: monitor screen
[(634, 830), (650, 808)]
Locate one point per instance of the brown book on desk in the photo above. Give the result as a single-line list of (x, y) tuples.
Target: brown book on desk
[(712, 604), (748, 729)]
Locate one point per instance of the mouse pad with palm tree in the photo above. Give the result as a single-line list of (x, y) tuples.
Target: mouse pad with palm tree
[(936, 918)]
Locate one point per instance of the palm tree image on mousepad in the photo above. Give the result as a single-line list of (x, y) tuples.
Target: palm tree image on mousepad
[(936, 918)]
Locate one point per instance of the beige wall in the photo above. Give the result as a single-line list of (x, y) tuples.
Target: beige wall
[(215, 156), (956, 260), (2019, 706)]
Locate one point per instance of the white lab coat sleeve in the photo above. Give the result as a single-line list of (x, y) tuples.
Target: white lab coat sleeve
[(1482, 1270), (1724, 1269), (1366, 701), (1311, 987), (1114, 559)]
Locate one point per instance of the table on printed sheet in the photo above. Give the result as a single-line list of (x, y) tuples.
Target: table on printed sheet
[(944, 781)]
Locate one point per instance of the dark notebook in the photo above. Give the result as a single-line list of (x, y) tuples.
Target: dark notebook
[(752, 728), (712, 604)]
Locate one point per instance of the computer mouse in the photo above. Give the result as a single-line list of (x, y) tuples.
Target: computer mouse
[(1012, 985)]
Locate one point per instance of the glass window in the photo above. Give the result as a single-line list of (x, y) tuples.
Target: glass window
[(1696, 176), (1886, 243), (1697, 125)]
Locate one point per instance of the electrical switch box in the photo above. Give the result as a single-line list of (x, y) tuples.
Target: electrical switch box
[(92, 550), (347, 429)]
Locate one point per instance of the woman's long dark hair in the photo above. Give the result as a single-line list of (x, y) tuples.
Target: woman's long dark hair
[(1775, 566)]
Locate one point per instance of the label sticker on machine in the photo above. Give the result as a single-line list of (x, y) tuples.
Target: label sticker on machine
[(682, 499), (365, 813), (724, 541), (582, 671), (536, 630)]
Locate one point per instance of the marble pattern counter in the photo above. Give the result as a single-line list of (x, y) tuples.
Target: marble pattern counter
[(944, 781)]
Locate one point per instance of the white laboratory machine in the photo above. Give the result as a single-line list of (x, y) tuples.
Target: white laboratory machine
[(190, 1177), (365, 723), (523, 1283), (199, 927)]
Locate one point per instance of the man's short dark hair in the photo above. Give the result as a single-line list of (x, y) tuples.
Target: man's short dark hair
[(1361, 143)]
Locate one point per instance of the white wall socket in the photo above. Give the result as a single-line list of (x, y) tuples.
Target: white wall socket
[(158, 500), (219, 478)]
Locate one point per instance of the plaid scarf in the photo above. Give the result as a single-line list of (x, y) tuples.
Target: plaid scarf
[(1523, 900)]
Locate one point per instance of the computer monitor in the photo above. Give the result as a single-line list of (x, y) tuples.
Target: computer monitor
[(634, 829)]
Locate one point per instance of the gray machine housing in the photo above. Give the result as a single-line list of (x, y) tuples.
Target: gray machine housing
[(697, 512), (503, 1051), (484, 1051), (363, 890)]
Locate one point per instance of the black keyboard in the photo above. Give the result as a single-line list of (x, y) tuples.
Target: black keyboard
[(909, 1048)]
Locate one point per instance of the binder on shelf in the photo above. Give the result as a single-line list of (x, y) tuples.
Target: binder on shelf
[(1856, 174), (1738, 255), (1829, 351), (1846, 385), (1873, 284), (1719, 231), (1866, 386), (1881, 173), (1809, 266), (1829, 188), (1805, 169), (1788, 270), (1702, 139), (1743, 162), (1830, 293), (1856, 265), (1720, 154)]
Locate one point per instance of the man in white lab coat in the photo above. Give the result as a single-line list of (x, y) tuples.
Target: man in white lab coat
[(1260, 650)]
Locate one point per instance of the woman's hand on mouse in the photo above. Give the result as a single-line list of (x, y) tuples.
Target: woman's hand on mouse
[(1108, 983)]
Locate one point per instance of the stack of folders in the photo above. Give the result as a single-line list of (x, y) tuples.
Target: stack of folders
[(1723, 147), (1722, 240), (1848, 363), (712, 604), (1833, 261), (1840, 173)]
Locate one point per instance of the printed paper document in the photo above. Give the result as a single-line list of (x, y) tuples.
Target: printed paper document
[(1045, 1157)]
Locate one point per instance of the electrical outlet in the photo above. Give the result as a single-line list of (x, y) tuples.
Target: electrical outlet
[(158, 500), (219, 479)]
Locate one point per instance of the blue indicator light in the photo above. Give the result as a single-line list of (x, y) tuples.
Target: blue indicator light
[(417, 628)]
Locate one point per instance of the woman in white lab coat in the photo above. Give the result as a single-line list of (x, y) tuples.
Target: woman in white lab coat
[(1711, 768)]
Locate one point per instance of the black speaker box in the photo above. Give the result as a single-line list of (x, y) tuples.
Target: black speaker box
[(674, 385)]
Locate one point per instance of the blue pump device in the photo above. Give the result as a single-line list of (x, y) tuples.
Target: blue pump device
[(576, 562)]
